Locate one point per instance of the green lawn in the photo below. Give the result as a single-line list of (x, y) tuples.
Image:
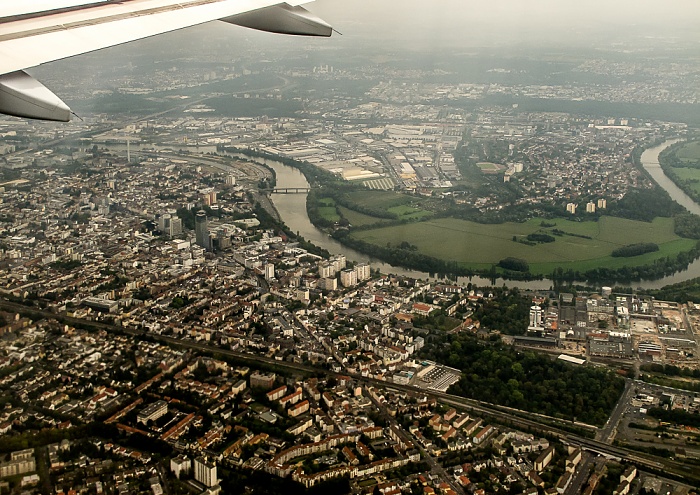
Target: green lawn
[(403, 206), (479, 246)]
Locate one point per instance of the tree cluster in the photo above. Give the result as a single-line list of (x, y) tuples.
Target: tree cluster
[(508, 312), (675, 416), (687, 225), (645, 205), (671, 370), (540, 237), (631, 250), (525, 380), (514, 264)]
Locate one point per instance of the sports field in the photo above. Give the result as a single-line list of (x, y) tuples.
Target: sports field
[(490, 168), (479, 246)]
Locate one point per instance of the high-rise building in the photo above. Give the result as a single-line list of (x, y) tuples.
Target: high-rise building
[(165, 223), (180, 465), (536, 318), (208, 196), (325, 270), (348, 278), (269, 271), (590, 207), (363, 272), (571, 208), (201, 229), (21, 461), (328, 283), (338, 262), (205, 471), (602, 203), (175, 226), (223, 239)]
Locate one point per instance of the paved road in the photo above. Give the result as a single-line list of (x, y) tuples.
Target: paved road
[(607, 432), (580, 475), (670, 467)]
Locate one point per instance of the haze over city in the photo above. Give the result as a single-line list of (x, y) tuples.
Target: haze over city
[(454, 250)]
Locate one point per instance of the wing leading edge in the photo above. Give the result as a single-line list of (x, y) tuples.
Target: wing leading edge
[(31, 40)]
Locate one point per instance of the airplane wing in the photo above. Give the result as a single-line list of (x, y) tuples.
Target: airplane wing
[(40, 31)]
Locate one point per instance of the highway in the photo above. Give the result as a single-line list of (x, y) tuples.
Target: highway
[(642, 460)]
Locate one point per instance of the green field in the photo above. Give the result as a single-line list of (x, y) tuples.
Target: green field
[(358, 219), (409, 212), (327, 210), (690, 152), (380, 199), (403, 206), (479, 246)]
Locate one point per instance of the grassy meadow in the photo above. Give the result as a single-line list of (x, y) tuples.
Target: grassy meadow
[(477, 245), (327, 210), (358, 219), (690, 152)]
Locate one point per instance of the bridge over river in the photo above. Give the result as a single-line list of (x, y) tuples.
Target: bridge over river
[(291, 190)]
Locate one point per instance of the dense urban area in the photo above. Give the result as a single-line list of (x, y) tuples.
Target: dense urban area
[(164, 330)]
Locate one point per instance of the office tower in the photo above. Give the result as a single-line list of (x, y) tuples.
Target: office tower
[(201, 229)]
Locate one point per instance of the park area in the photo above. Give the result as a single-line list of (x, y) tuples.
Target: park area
[(577, 245)]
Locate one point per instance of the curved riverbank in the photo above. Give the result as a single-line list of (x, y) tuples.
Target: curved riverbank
[(650, 162), (672, 166), (292, 208)]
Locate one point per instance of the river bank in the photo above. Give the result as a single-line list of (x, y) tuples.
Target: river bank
[(292, 209)]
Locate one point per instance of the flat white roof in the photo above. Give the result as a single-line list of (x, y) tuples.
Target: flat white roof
[(571, 359)]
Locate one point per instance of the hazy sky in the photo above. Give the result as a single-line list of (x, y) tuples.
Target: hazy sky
[(510, 19), (522, 27)]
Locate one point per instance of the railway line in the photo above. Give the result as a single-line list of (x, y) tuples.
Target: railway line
[(668, 467)]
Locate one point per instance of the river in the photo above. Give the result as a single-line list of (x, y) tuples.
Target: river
[(292, 210), (650, 160)]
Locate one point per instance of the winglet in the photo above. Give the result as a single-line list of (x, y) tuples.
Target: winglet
[(23, 96), (283, 19)]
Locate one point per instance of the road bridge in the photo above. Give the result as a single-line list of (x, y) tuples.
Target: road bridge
[(291, 190)]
